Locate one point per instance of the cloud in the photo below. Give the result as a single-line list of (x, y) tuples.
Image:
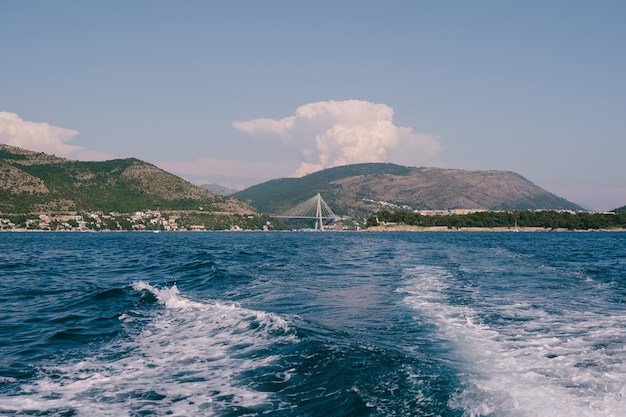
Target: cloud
[(43, 137), (334, 133)]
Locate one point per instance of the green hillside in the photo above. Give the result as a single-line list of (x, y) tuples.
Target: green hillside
[(37, 182)]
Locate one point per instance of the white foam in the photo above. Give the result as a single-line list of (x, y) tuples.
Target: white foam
[(536, 363), (185, 360)]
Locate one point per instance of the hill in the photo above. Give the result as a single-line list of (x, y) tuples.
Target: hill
[(620, 209), (33, 182), (362, 189), (218, 189)]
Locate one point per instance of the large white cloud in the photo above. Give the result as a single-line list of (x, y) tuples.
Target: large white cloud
[(334, 133), (43, 137)]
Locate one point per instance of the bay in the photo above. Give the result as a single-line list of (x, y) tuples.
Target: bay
[(313, 324)]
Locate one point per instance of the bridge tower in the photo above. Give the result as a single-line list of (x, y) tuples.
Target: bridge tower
[(314, 208)]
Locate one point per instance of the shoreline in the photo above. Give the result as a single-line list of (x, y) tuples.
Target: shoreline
[(445, 229), (373, 229)]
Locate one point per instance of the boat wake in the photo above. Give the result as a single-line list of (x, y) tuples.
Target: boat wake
[(529, 361), (188, 358)]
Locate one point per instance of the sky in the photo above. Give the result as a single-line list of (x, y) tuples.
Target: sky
[(240, 92)]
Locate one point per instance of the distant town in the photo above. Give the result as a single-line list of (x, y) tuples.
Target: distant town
[(149, 220)]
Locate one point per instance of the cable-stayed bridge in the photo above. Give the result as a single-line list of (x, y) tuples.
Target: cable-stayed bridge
[(314, 208)]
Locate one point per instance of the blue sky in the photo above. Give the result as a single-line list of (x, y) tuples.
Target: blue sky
[(241, 92)]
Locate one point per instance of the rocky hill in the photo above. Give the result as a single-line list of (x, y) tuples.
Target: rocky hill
[(362, 189), (218, 189), (37, 182)]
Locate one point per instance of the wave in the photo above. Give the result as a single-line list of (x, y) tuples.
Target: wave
[(190, 357), (529, 361)]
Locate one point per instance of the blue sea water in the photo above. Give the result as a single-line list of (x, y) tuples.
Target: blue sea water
[(313, 324)]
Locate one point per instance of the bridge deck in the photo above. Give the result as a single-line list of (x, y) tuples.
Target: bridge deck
[(313, 208)]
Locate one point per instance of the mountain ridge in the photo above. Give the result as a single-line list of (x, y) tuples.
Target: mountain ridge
[(358, 189), (219, 189), (38, 182)]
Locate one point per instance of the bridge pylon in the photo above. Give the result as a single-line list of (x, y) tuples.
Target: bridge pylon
[(314, 208)]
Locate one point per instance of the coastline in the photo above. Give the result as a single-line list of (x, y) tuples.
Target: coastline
[(445, 229), (375, 229)]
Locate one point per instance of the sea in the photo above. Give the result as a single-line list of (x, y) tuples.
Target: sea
[(312, 324)]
